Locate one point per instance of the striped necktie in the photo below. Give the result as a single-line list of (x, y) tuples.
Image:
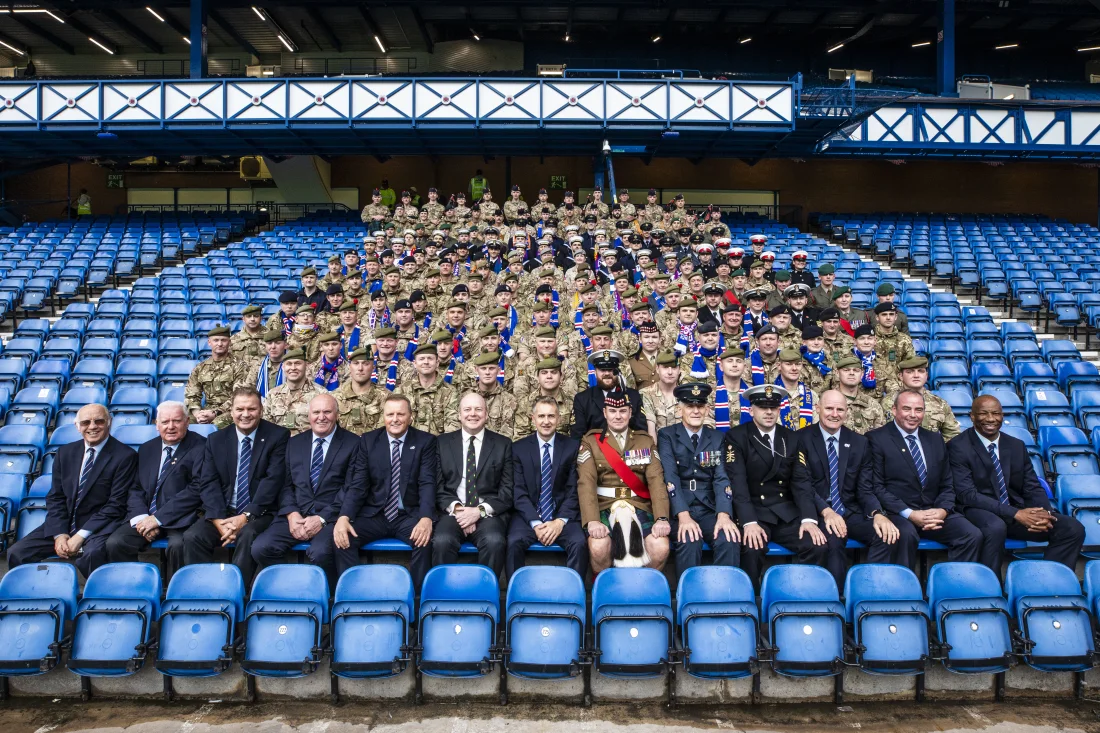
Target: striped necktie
[(1002, 488), (546, 495), (918, 459), (160, 478), (316, 462), (81, 487), (241, 497), (393, 504), (834, 479)]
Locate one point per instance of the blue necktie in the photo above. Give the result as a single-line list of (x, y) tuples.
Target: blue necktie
[(82, 486), (393, 504), (834, 479), (316, 462), (546, 496), (160, 479), (1002, 489), (241, 498), (918, 459)]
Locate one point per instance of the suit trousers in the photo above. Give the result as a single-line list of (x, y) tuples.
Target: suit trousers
[(201, 540), (963, 540), (862, 530), (37, 546), (521, 536), (690, 554), (377, 527), (125, 543), (784, 534), (1064, 539), (271, 547), (490, 536)]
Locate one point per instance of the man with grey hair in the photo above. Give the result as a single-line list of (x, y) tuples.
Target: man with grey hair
[(160, 503), (87, 498)]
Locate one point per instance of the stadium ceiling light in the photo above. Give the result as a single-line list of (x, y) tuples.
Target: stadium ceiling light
[(921, 44), (1005, 46), (745, 40), (13, 48), (285, 42), (45, 11), (837, 47), (258, 12), (381, 47), (105, 48), (1088, 48), (155, 14), (475, 35), (567, 38), (656, 38), (188, 40)]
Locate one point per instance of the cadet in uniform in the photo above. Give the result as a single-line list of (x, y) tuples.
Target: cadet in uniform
[(698, 490), (913, 374), (248, 343), (209, 391), (547, 380), (434, 401), (288, 404), (616, 464), (864, 411), (499, 404), (772, 494), (359, 400)]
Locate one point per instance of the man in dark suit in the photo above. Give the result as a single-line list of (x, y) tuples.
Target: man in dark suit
[(772, 495), (699, 491), (588, 405), (998, 491), (317, 463), (87, 499), (391, 490), (160, 504), (547, 509), (912, 478), (839, 464), (243, 470), (475, 488)]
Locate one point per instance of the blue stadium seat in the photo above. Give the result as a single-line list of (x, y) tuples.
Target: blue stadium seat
[(889, 619), (92, 372), (77, 397), (133, 435), (198, 620), (949, 371), (1067, 451), (372, 613), (1076, 373), (1057, 351), (1052, 615), (12, 374), (133, 405), (718, 621), (34, 405), (633, 622), (136, 372), (285, 616), (1047, 408), (13, 487), (114, 620), (971, 617), (1086, 406), (19, 440), (175, 371), (990, 373), (797, 598), (36, 602), (544, 623), (459, 613), (1079, 496), (142, 347), (1018, 351), (1092, 586)]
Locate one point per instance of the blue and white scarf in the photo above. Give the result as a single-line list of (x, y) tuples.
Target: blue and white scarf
[(413, 343), (756, 367), (328, 373), (805, 414), (686, 342), (391, 372), (868, 362), (587, 344), (722, 405), (747, 330), (351, 343), (817, 360), (261, 379)]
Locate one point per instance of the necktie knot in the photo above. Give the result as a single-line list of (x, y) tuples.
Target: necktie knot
[(91, 454), (168, 451), (992, 450)]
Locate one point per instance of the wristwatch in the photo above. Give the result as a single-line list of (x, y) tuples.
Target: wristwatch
[(481, 510), (662, 519), (247, 516)]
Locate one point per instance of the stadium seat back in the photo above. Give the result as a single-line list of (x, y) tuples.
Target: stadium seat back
[(198, 620), (544, 622), (805, 621), (37, 600), (971, 615), (718, 622), (889, 618), (459, 613), (372, 613), (115, 618), (286, 615), (1052, 614)]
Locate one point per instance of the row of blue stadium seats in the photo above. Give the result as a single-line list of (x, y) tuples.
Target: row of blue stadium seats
[(715, 629)]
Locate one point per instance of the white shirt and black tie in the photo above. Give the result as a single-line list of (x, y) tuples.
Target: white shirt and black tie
[(478, 439)]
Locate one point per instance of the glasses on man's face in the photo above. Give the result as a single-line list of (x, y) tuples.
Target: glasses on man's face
[(98, 422)]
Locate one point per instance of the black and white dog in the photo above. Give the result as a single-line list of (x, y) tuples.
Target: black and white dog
[(627, 545)]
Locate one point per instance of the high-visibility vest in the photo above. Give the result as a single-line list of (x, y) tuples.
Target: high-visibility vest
[(82, 209), (389, 197), (477, 187)]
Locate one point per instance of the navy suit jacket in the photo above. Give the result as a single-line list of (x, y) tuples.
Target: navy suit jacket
[(527, 486), (298, 495), (368, 484), (975, 485), (897, 485), (178, 502), (218, 481), (853, 468), (103, 504)]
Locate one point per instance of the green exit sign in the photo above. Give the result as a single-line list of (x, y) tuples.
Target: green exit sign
[(116, 180), (558, 182)]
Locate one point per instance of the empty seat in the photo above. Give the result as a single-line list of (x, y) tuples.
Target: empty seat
[(372, 613), (286, 615), (1052, 615), (971, 617), (198, 620), (459, 613), (1067, 450), (36, 602), (804, 619), (718, 622), (114, 620), (633, 622), (889, 619), (544, 622)]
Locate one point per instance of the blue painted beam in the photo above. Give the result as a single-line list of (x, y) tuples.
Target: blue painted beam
[(199, 66), (945, 49)]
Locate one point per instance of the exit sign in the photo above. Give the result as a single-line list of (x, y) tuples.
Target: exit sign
[(558, 182), (116, 180)]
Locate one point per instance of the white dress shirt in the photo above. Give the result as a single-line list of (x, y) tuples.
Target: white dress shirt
[(160, 467), (542, 443), (479, 442), (98, 449), (920, 450), (326, 441), (400, 452)]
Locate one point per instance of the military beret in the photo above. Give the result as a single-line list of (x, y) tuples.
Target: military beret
[(327, 336), (416, 296), (739, 272), (660, 276), (586, 288), (487, 331), (334, 289), (843, 290), (546, 332), (675, 287), (334, 258), (707, 327), (475, 276), (688, 302), (543, 289), (498, 311), (441, 335), (884, 289), (917, 362), (360, 354), (288, 296), (730, 308), (693, 393), (865, 330), (782, 275), (489, 357), (459, 288), (830, 314), (378, 295), (756, 263), (648, 327), (552, 362), (456, 304), (385, 332), (252, 310), (781, 310), (275, 334), (601, 331), (668, 358), (826, 269), (542, 306), (403, 304), (639, 306), (731, 351), (424, 349), (630, 292), (886, 308), (765, 330), (352, 272), (790, 355), (845, 362), (294, 354), (309, 271), (812, 332), (391, 270), (218, 331)]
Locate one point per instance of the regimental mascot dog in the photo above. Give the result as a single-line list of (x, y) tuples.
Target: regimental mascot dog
[(627, 545)]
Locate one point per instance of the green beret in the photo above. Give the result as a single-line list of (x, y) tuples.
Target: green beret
[(917, 362), (885, 289), (587, 287), (385, 333), (546, 332), (542, 305), (475, 276), (498, 311), (353, 272), (688, 302), (298, 354), (592, 307), (275, 334), (489, 357), (509, 278), (842, 290), (782, 275), (552, 362), (629, 293), (219, 331), (424, 349), (334, 258), (660, 276), (358, 354), (667, 358), (442, 335), (639, 307), (324, 338), (732, 351), (391, 270), (790, 355), (739, 272), (601, 331), (826, 270), (252, 310), (848, 361), (347, 305), (309, 271), (489, 330)]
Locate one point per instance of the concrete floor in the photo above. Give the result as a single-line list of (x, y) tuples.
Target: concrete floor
[(45, 716)]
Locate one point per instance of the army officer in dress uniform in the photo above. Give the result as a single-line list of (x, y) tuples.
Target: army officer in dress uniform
[(772, 494), (698, 489), (617, 463)]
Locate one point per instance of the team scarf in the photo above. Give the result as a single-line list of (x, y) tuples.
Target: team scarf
[(722, 404), (374, 321), (817, 360), (328, 373), (413, 343), (868, 361), (288, 323), (391, 372), (587, 344), (747, 329), (261, 379), (352, 341), (756, 365), (513, 319), (805, 414), (556, 300), (456, 343), (658, 300), (699, 369), (427, 324), (686, 343), (449, 376)]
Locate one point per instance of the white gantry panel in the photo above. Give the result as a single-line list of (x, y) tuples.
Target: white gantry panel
[(446, 100), (18, 104), (1045, 128), (70, 102), (697, 102), (572, 101), (890, 124), (381, 99), (508, 100), (255, 100), (194, 101), (993, 127), (944, 125), (637, 101), (319, 99), (132, 102), (762, 103), (1085, 128)]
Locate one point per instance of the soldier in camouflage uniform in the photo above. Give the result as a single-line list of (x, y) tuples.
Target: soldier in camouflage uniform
[(913, 374), (487, 206), (330, 368), (209, 391), (545, 345), (248, 343), (659, 404), (891, 342), (513, 205), (548, 379), (767, 346), (816, 368), (285, 319), (271, 364), (864, 411), (707, 352), (886, 294), (360, 400), (334, 276), (630, 211), (500, 404), (434, 402), (288, 404), (790, 338), (304, 334), (837, 343), (821, 297), (375, 212), (433, 207), (654, 212)]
